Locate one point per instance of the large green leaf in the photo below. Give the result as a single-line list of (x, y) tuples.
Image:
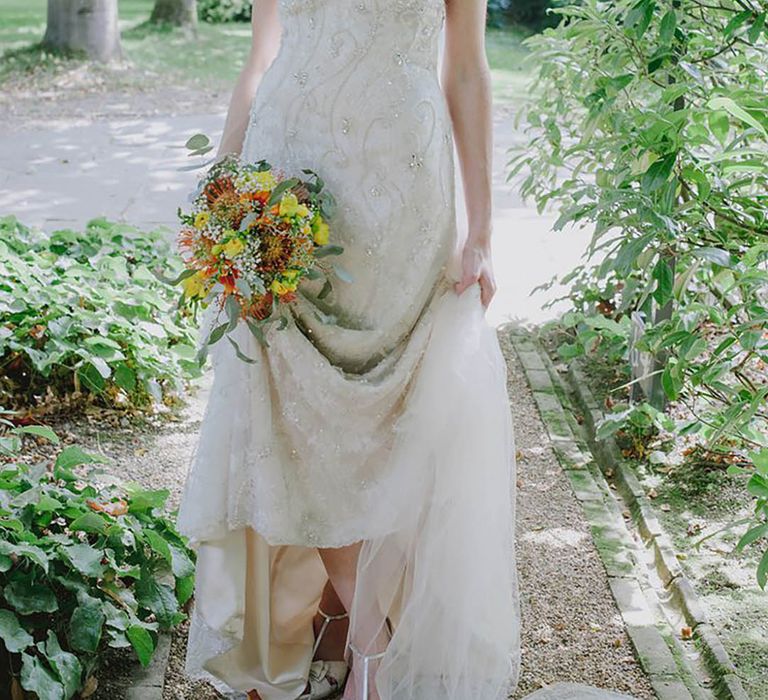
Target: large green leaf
[(66, 665), (89, 522), (85, 558), (37, 678), (181, 564), (658, 173), (39, 431), (758, 486), (142, 500), (27, 596), (85, 626), (142, 642), (735, 110), (762, 570), (664, 277), (74, 456), (27, 551), (158, 544), (185, 587), (14, 636), (159, 599)]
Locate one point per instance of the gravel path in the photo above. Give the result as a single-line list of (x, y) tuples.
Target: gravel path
[(572, 630)]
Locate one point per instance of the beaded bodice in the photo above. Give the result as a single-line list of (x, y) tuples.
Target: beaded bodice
[(332, 31), (354, 95)]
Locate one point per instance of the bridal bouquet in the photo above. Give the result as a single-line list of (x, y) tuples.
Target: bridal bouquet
[(251, 236)]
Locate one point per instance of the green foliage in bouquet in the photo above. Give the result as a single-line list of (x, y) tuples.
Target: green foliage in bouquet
[(85, 563), (649, 122), (83, 311)]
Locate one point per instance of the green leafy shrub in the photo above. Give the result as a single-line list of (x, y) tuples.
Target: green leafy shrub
[(649, 122), (83, 312), (215, 11), (85, 563)]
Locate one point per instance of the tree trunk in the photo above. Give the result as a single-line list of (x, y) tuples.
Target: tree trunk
[(84, 25), (180, 13)]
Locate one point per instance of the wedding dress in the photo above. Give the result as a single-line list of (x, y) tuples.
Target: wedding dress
[(380, 414)]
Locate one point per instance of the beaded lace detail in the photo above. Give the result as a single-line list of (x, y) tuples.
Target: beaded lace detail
[(354, 95)]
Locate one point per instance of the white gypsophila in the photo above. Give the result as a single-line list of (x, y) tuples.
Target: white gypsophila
[(255, 181), (250, 260)]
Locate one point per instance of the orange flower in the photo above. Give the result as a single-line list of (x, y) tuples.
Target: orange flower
[(218, 188), (224, 202), (260, 197), (261, 307), (229, 283), (276, 250)]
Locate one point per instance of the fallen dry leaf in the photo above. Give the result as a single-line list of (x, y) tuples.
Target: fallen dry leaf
[(90, 687)]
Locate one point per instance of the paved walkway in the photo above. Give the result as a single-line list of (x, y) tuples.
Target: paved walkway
[(60, 173)]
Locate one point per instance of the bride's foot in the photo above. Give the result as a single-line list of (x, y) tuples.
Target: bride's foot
[(361, 684), (329, 669), (331, 635)]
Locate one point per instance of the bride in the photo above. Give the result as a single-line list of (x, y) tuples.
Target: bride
[(351, 497)]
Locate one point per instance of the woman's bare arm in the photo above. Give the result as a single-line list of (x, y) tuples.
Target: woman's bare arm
[(466, 82), (264, 46)]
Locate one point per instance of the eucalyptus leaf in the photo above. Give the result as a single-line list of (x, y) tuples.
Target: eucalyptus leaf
[(328, 249), (239, 353)]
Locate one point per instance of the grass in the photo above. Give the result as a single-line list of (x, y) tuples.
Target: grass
[(506, 56), (212, 60)]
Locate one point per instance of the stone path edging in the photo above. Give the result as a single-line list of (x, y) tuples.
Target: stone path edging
[(659, 651), (147, 683), (727, 686)]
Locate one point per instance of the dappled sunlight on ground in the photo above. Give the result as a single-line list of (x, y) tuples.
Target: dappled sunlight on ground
[(557, 537), (63, 173), (66, 174)]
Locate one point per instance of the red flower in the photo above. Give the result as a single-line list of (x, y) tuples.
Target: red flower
[(229, 283)]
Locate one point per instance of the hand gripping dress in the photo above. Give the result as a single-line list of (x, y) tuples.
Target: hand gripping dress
[(380, 414)]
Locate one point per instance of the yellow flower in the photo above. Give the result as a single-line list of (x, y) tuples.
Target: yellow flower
[(215, 250), (302, 211), (278, 287), (201, 219), (233, 248), (291, 278), (256, 181), (286, 282), (321, 231), (194, 286), (264, 180), (289, 204), (306, 230)]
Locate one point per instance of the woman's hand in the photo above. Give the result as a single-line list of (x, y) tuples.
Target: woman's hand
[(477, 267)]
